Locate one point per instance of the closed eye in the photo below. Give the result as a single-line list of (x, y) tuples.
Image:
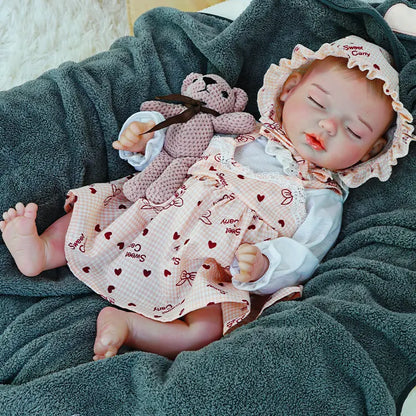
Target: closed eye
[(354, 134), (315, 102)]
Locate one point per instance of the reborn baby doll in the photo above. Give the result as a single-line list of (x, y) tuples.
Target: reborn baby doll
[(263, 207)]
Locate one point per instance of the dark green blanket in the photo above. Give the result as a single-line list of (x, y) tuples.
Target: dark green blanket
[(347, 348)]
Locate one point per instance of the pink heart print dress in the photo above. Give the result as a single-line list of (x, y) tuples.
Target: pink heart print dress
[(164, 261)]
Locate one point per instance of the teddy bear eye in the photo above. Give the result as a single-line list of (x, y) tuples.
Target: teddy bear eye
[(224, 94)]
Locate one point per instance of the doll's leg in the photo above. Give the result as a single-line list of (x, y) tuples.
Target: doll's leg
[(33, 253), (173, 177), (135, 188), (116, 328)]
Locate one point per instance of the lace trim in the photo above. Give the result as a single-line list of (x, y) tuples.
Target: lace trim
[(225, 146), (290, 167)]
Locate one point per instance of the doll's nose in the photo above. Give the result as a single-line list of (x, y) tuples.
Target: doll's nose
[(330, 125), (209, 80)]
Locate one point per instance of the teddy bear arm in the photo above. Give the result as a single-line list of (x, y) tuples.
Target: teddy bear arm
[(234, 123), (166, 109)]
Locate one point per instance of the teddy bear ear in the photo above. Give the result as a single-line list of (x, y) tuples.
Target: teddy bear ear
[(189, 80), (241, 99)]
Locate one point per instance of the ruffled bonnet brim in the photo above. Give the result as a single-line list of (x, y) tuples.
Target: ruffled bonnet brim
[(369, 58)]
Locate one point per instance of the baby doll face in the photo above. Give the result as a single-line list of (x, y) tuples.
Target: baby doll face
[(334, 119)]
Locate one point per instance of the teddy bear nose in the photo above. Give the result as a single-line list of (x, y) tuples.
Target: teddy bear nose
[(209, 80)]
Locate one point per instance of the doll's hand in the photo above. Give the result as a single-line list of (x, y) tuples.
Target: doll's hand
[(252, 263), (133, 139)]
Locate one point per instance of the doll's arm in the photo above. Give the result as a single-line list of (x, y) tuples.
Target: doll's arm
[(134, 137), (166, 109), (293, 260), (153, 146), (234, 123)]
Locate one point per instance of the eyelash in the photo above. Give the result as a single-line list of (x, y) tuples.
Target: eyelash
[(316, 102), (354, 134), (321, 106)]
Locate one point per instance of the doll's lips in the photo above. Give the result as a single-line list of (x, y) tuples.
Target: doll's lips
[(316, 142)]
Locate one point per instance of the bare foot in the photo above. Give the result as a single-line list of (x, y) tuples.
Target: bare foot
[(112, 332), (116, 327), (22, 239)]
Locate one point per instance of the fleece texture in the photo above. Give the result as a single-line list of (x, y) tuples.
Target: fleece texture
[(348, 347)]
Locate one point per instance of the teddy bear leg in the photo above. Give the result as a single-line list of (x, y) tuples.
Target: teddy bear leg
[(135, 188), (171, 180)]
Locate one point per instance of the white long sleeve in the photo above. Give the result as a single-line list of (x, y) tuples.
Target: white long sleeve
[(293, 260), (153, 146)]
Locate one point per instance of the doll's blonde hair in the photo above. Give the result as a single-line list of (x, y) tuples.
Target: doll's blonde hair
[(337, 63)]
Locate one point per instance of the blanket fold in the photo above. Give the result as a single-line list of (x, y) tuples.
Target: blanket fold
[(347, 348)]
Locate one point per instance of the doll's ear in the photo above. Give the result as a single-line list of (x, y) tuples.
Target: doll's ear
[(288, 87), (377, 147), (241, 99), (189, 80)]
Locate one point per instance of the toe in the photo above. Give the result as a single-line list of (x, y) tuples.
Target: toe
[(111, 352), (105, 347), (11, 213), (111, 333), (2, 225), (31, 210), (20, 209)]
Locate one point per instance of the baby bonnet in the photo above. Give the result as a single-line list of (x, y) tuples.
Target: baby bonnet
[(376, 63)]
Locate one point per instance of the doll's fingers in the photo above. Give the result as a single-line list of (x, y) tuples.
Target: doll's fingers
[(246, 271), (140, 135), (128, 138), (128, 145), (246, 258), (138, 128), (242, 250), (118, 146), (246, 248), (243, 277)]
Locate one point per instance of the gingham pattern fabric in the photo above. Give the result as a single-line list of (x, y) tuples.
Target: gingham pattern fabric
[(185, 142), (372, 60), (164, 261)]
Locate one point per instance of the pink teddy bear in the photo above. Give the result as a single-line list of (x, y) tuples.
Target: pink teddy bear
[(214, 107)]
